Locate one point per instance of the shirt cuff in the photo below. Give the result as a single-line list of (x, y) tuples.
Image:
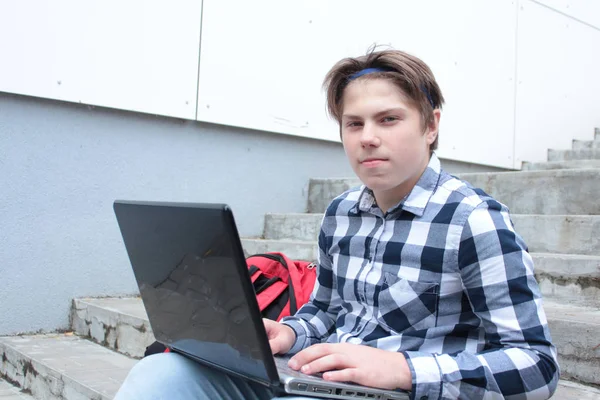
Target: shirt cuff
[(301, 336), (426, 375)]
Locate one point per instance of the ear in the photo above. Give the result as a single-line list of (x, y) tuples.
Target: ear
[(433, 127)]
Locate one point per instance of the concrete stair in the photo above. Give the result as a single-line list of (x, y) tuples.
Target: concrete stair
[(12, 392), (569, 277), (570, 155), (585, 144), (581, 150), (563, 185), (574, 331), (60, 366), (304, 249), (554, 208), (568, 234), (573, 328), (322, 191), (554, 192), (119, 318), (576, 164), (117, 323), (70, 366)]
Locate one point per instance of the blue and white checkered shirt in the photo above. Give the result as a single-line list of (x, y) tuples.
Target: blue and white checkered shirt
[(441, 277)]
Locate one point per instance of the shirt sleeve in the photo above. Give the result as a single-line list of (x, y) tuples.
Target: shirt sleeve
[(519, 359), (315, 321)]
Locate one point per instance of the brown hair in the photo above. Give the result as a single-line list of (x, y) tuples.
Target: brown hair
[(408, 72)]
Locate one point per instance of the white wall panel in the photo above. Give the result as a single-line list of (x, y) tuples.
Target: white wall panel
[(139, 55), (557, 93), (587, 11), (262, 64)]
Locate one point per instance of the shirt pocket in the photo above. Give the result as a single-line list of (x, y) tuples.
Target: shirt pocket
[(405, 306)]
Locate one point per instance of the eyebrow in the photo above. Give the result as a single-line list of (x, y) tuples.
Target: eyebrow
[(378, 114)]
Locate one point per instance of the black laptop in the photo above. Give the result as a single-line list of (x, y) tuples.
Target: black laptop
[(191, 271)]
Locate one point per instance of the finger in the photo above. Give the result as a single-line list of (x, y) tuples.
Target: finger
[(268, 322), (345, 375), (276, 345), (327, 363), (310, 354), (268, 327)]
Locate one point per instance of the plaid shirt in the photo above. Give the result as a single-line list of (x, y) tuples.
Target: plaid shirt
[(444, 279)]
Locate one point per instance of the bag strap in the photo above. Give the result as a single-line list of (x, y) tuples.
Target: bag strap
[(282, 261), (267, 284)]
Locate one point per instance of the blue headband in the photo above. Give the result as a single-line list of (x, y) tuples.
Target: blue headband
[(365, 72), (372, 70)]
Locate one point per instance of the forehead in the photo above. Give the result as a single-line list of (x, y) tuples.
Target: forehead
[(373, 94)]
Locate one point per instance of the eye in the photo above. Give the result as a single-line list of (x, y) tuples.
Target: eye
[(389, 118), (353, 124)]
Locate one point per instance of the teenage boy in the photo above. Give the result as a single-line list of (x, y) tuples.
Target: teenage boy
[(422, 284)]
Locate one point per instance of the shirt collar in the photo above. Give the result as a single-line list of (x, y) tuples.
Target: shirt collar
[(415, 202)]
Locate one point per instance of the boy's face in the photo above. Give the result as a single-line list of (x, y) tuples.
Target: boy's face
[(384, 139)]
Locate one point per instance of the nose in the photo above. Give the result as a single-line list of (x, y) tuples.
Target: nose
[(369, 136)]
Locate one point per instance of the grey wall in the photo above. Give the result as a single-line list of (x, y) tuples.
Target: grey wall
[(62, 165)]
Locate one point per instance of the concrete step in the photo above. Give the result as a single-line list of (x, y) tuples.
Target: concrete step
[(80, 374), (571, 391), (58, 366), (564, 277), (299, 250), (574, 332), (569, 279), (565, 234), (557, 192), (307, 250), (12, 392), (322, 191), (303, 227), (118, 323), (568, 155), (585, 144), (576, 164), (525, 192)]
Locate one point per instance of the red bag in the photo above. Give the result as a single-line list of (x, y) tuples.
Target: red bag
[(282, 285)]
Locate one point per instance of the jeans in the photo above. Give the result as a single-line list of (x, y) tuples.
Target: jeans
[(171, 376)]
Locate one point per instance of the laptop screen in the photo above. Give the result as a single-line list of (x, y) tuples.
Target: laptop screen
[(186, 262)]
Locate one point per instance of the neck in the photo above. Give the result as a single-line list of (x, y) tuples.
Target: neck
[(386, 199), (389, 198)]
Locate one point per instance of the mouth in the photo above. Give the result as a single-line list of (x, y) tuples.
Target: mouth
[(372, 162)]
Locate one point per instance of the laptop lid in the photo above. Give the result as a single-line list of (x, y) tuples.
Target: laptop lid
[(191, 272)]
